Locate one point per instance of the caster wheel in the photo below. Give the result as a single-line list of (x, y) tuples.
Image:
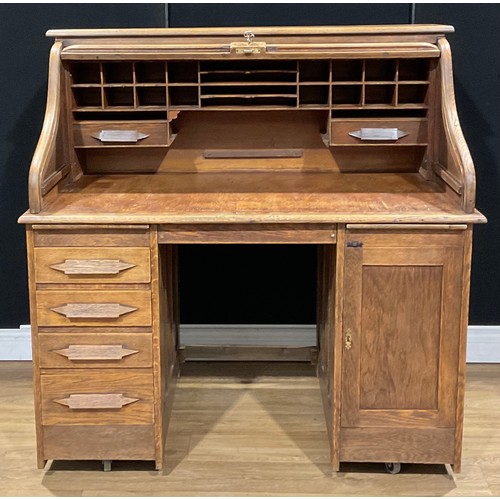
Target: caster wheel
[(106, 465), (393, 467)]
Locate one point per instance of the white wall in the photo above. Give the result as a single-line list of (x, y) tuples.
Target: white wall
[(483, 343)]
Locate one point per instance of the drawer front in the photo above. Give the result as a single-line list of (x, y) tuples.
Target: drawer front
[(93, 307), (92, 265), (91, 134), (88, 397), (98, 442), (95, 350), (91, 236), (248, 233), (414, 128)]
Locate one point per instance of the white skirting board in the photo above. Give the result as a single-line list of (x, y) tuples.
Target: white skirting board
[(483, 344)]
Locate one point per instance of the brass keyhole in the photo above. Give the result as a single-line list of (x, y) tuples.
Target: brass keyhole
[(348, 339)]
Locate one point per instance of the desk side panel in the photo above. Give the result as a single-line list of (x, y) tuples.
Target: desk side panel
[(165, 335), (35, 349)]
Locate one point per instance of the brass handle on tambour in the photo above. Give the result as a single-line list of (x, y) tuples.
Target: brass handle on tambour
[(249, 47), (246, 49), (348, 339)]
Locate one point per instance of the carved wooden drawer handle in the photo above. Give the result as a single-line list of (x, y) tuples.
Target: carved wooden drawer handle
[(123, 136), (378, 134), (111, 310), (95, 352), (95, 401), (92, 266)]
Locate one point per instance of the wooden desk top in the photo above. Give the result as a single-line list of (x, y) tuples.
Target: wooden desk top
[(257, 197)]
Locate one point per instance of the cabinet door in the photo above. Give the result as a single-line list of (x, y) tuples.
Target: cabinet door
[(402, 301)]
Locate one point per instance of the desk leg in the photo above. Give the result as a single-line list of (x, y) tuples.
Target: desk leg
[(329, 318), (165, 334), (336, 333)]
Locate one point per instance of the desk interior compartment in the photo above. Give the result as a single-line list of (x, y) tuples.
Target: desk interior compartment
[(140, 145)]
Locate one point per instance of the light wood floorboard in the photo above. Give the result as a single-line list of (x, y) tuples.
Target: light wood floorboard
[(247, 429)]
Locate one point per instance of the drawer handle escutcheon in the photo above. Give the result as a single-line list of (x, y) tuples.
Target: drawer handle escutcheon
[(92, 266), (95, 401), (378, 134), (124, 136), (93, 310), (95, 352)]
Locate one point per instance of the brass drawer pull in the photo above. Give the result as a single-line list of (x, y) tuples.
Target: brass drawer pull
[(93, 266), (95, 401), (378, 134), (122, 136), (95, 352), (93, 310), (348, 339)]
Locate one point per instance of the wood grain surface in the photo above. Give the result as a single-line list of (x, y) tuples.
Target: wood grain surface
[(80, 235), (95, 350), (92, 265), (416, 287), (156, 132), (48, 157), (133, 384), (231, 31), (253, 197), (255, 233), (416, 130), (99, 442), (100, 308)]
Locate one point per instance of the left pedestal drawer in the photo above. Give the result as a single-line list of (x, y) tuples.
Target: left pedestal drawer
[(95, 350), (93, 307), (98, 442), (92, 397), (92, 265)]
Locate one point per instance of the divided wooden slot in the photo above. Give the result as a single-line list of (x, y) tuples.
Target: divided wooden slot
[(152, 86), (380, 84)]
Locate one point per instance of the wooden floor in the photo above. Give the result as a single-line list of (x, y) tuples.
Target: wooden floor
[(247, 429)]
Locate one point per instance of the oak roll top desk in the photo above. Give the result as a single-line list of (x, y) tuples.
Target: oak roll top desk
[(343, 137)]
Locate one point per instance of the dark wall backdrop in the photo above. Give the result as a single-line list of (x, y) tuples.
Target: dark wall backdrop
[(24, 52), (243, 284), (475, 46)]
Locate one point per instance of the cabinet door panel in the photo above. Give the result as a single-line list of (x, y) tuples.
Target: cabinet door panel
[(402, 313), (396, 298)]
